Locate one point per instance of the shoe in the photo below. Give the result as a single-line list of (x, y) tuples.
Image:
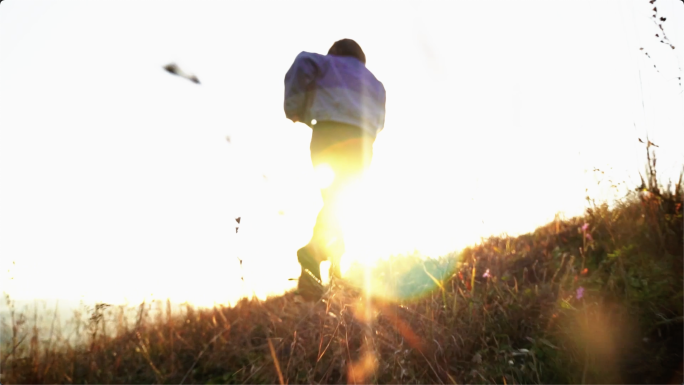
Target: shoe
[(309, 262), (309, 287)]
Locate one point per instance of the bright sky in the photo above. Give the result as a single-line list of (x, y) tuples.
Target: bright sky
[(117, 181)]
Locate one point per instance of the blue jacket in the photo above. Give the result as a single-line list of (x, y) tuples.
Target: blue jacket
[(334, 88)]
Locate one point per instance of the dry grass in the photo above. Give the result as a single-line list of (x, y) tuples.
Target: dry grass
[(508, 310)]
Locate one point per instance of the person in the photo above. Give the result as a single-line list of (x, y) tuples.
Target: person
[(344, 104)]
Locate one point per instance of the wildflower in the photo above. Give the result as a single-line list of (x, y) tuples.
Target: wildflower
[(486, 274), (580, 292), (589, 236), (585, 227)]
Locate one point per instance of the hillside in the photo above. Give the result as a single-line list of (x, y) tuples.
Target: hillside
[(591, 299)]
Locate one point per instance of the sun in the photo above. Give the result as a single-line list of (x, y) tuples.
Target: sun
[(324, 175), (360, 224)]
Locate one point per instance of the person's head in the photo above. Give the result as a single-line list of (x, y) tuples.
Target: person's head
[(347, 47)]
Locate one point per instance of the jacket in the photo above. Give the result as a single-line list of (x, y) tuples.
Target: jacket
[(334, 88)]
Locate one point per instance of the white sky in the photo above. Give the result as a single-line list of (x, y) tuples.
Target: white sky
[(117, 181)]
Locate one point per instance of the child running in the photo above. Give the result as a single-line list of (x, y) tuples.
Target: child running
[(344, 104)]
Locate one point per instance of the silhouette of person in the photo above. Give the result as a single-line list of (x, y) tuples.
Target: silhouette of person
[(344, 104)]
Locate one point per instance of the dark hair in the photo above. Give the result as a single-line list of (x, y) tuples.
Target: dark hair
[(347, 47)]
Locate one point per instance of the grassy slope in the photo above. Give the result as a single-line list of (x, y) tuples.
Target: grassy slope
[(522, 324)]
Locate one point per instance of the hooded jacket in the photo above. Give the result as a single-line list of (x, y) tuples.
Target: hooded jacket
[(334, 88)]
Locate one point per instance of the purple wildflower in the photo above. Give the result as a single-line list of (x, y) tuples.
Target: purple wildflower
[(580, 292), (585, 227), (486, 274)]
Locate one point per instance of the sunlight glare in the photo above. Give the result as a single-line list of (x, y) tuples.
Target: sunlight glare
[(324, 175), (325, 271), (359, 224)]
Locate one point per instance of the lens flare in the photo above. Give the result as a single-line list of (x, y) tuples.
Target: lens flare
[(367, 263), (324, 175), (357, 220)]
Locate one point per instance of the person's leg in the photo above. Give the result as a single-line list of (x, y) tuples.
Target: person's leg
[(326, 240), (354, 156), (326, 235), (348, 152)]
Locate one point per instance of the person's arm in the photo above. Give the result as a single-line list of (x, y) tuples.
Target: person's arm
[(298, 80), (382, 117)]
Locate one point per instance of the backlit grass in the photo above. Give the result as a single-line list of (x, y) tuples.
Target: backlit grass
[(591, 299)]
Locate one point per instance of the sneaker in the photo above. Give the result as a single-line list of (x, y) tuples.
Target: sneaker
[(309, 262), (309, 287)]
